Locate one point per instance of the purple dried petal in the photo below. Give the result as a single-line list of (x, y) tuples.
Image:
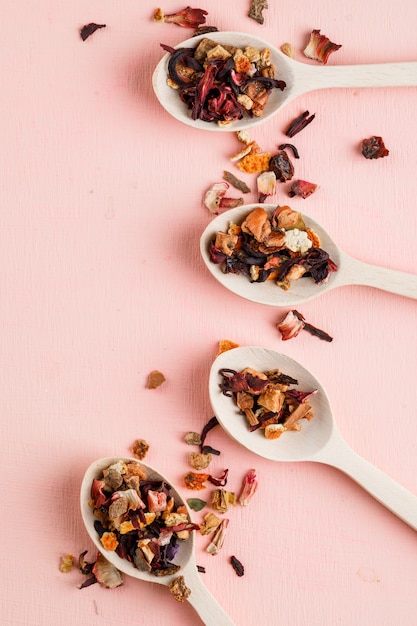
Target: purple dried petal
[(87, 30)]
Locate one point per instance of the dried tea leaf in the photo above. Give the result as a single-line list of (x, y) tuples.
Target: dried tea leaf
[(196, 504)]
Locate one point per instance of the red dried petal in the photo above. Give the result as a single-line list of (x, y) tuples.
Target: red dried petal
[(320, 47), (187, 18)]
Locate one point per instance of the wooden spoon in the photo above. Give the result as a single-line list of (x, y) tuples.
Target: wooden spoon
[(350, 271), (318, 441), (202, 601), (299, 77)]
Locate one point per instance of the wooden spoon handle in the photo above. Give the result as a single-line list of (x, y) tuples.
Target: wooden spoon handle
[(207, 607), (354, 272), (372, 75), (383, 488)]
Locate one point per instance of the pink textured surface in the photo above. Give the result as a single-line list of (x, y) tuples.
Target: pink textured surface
[(102, 282)]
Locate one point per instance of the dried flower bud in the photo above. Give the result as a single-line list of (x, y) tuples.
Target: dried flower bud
[(187, 18), (250, 485)]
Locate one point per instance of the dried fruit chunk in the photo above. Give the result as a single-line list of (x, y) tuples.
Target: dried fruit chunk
[(288, 50), (179, 589), (199, 461), (210, 524), (374, 148), (320, 47), (66, 563), (140, 448), (155, 379), (253, 163), (225, 345), (192, 438), (266, 184), (302, 188), (187, 18), (106, 574), (281, 165), (256, 9), (196, 481), (216, 543)]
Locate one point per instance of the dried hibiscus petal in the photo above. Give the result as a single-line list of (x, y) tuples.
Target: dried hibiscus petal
[(237, 566), (293, 149), (187, 18), (374, 148), (302, 188), (299, 123), (320, 47), (89, 29), (294, 322)]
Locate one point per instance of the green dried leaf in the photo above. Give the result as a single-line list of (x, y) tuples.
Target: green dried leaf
[(196, 504)]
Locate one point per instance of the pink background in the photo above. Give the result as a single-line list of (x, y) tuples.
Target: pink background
[(102, 282)]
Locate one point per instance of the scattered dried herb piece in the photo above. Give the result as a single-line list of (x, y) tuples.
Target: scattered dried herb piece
[(204, 30), (282, 166), (299, 124), (293, 149), (374, 148), (155, 379), (256, 9), (210, 524), (249, 487), (216, 543), (87, 30), (192, 439), (294, 322), (201, 569), (236, 182), (195, 481), (209, 450), (196, 504), (66, 563), (288, 50), (266, 185), (225, 345), (221, 481), (140, 448), (206, 429), (199, 461), (320, 47), (179, 589), (302, 188), (187, 18), (237, 566), (222, 499)]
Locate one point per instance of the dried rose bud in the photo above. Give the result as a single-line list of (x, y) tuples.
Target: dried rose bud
[(302, 188), (320, 47), (187, 18), (250, 485)]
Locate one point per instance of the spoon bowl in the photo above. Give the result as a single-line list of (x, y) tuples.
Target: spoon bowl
[(319, 439), (203, 602), (299, 78), (350, 271)]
